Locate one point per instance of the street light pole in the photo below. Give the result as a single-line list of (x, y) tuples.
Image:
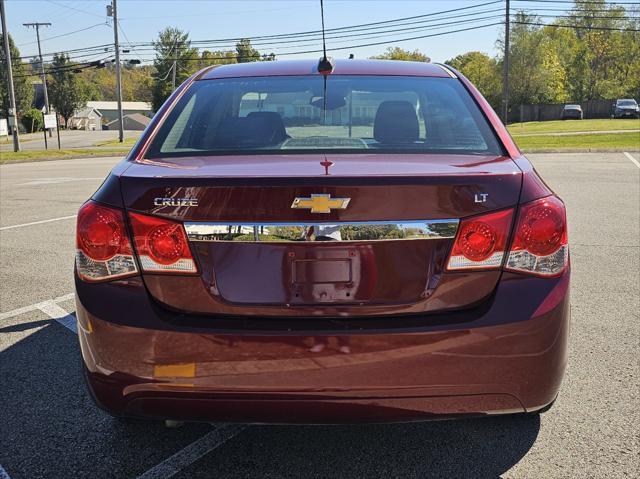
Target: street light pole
[(12, 95), (114, 14), (43, 75)]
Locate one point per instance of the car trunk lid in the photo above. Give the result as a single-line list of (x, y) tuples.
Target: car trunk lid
[(384, 252)]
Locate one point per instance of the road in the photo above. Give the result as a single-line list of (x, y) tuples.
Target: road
[(68, 139), (50, 428)]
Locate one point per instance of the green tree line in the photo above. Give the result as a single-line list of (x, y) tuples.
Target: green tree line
[(558, 64)]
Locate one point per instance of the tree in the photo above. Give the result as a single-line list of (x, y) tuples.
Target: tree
[(32, 120), (598, 53), (99, 84), (536, 74), (397, 53), (174, 56), (21, 82), (246, 53), (217, 57), (483, 71), (65, 92)]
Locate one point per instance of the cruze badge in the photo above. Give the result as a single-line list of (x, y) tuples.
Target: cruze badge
[(320, 203), (175, 201)]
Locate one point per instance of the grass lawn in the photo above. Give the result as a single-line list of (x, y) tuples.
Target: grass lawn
[(619, 141), (31, 155), (128, 142), (573, 125)]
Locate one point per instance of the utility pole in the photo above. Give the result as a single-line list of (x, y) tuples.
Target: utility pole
[(175, 64), (113, 12), (12, 95), (173, 76), (37, 26), (505, 67)]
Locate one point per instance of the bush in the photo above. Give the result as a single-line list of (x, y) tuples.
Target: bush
[(32, 120)]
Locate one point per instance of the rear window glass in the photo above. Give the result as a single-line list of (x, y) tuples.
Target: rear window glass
[(313, 114)]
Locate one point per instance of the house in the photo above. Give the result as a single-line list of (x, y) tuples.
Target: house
[(109, 109), (87, 118), (133, 121)]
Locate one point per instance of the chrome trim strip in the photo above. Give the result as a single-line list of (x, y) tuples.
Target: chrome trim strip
[(446, 69), (322, 231)]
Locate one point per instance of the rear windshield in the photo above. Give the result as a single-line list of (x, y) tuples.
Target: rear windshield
[(319, 114)]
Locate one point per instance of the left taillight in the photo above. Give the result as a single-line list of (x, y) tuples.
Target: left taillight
[(103, 249), (162, 245)]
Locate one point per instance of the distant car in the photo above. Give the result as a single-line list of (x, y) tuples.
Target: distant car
[(262, 257), (571, 112), (626, 108)]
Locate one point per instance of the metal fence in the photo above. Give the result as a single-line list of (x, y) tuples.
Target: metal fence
[(590, 109)]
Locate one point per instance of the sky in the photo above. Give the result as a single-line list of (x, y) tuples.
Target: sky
[(141, 20)]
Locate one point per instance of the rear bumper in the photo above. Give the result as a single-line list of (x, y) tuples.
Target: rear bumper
[(626, 114), (506, 356)]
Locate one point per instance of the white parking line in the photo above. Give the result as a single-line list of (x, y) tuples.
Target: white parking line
[(3, 473), (54, 311), (194, 451), (633, 160), (37, 222), (33, 307)]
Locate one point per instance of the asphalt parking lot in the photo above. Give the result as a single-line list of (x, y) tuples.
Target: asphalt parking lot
[(50, 428)]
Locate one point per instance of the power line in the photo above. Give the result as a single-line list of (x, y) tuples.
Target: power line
[(74, 9), (353, 28), (65, 34), (75, 50), (367, 35), (578, 17), (397, 40), (101, 63), (396, 22), (579, 2), (578, 27)]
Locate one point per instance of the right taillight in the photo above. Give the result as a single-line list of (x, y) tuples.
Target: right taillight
[(103, 249), (162, 245), (540, 243)]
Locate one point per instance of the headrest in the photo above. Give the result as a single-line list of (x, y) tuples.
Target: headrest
[(275, 121), (396, 122), (252, 131)]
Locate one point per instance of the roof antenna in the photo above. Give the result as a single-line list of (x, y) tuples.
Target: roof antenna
[(325, 65)]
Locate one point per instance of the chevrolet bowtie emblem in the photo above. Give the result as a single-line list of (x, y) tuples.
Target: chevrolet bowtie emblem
[(321, 203)]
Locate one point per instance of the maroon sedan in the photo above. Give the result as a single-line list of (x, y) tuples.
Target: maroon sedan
[(360, 243)]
